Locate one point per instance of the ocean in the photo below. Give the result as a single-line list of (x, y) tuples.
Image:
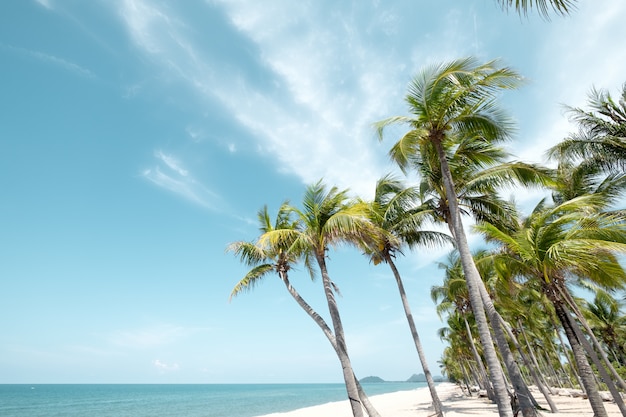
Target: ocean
[(180, 400)]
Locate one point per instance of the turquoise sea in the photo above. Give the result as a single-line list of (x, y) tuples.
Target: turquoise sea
[(137, 400)]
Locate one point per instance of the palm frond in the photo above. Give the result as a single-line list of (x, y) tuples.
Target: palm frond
[(544, 7), (251, 279)]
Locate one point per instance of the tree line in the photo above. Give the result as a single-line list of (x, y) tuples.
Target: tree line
[(512, 317)]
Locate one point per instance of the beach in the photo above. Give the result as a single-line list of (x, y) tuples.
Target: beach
[(455, 404)]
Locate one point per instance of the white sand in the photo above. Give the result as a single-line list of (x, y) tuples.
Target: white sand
[(455, 404)]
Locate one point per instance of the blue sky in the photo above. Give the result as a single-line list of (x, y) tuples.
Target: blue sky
[(138, 138)]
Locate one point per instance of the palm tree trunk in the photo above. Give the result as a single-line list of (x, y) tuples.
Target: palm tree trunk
[(594, 357), (584, 369), (567, 356), (532, 368), (473, 278), (371, 411), (342, 350), (481, 371), (416, 338), (523, 394), (570, 301), (466, 380), (603, 374), (533, 357)]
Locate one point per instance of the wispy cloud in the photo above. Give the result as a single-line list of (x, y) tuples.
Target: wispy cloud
[(327, 86), (53, 60), (328, 76), (45, 3), (574, 55), (165, 367), (170, 174)]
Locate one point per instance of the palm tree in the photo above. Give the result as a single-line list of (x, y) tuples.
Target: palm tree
[(454, 292), (505, 294), (605, 317), (398, 217), (329, 219), (266, 256), (574, 180), (601, 138), (561, 7), (466, 361), (450, 103), (452, 299), (566, 243)]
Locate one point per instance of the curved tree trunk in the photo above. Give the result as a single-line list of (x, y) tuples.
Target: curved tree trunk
[(371, 411), (482, 376), (416, 338), (534, 360), (599, 365), (584, 369), (570, 301), (567, 356), (524, 396), (532, 368), (473, 279), (342, 350), (466, 380)]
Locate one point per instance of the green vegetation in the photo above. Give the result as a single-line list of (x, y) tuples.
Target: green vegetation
[(518, 291)]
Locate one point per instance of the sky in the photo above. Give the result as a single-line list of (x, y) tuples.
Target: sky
[(139, 137)]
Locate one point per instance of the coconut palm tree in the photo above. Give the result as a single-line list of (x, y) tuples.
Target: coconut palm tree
[(606, 318), (327, 219), (399, 218), (279, 256), (454, 292), (563, 244), (561, 7), (504, 294), (577, 179), (601, 138), (463, 352), (449, 104), (452, 299)]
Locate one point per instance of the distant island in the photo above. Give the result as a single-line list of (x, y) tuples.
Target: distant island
[(413, 378), (370, 379)]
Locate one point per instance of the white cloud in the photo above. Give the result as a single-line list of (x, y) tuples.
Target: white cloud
[(194, 133), (45, 3), (53, 60), (172, 163), (331, 81), (576, 53), (164, 367), (336, 88), (170, 174)]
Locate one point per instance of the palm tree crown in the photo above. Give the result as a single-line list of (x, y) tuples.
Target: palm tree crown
[(601, 138), (561, 7)]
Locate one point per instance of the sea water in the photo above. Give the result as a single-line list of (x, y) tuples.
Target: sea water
[(180, 400)]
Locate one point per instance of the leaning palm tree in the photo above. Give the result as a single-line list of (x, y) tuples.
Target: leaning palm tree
[(328, 219), (577, 179), (451, 298), (561, 7), (266, 256), (449, 103), (605, 316), (399, 218), (601, 138), (558, 245)]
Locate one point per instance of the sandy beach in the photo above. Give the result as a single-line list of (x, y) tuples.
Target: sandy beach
[(417, 403)]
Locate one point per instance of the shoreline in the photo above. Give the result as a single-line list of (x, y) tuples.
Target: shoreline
[(417, 402)]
